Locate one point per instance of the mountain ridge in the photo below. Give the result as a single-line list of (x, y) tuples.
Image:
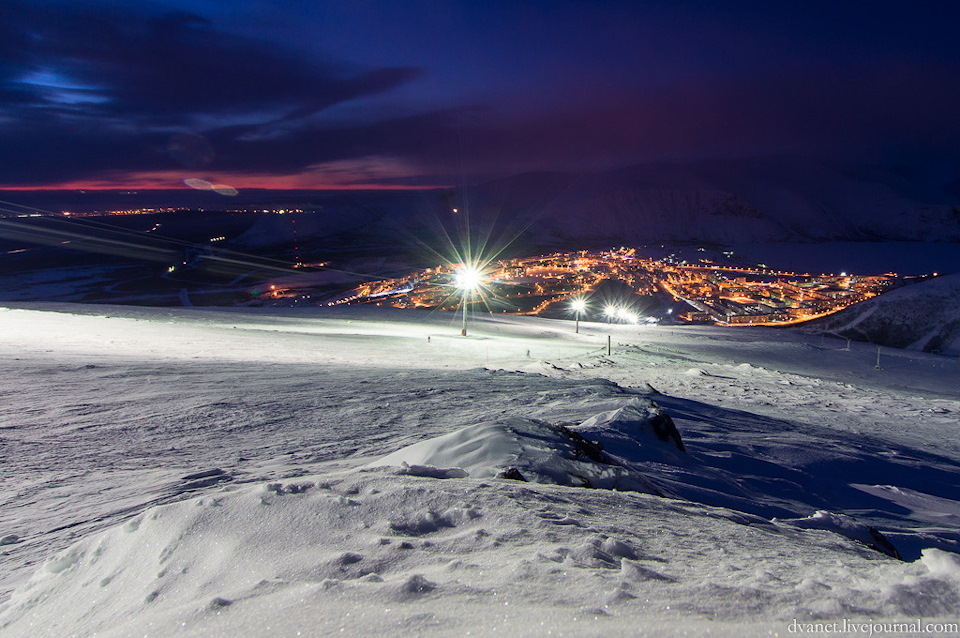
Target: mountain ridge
[(780, 199)]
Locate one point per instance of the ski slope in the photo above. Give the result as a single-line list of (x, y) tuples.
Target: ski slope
[(228, 472)]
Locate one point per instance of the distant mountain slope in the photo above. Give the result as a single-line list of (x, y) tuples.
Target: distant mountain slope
[(723, 202), (925, 316), (726, 201)]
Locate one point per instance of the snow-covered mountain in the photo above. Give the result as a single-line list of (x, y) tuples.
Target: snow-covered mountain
[(727, 202), (924, 316), (367, 471), (759, 200)]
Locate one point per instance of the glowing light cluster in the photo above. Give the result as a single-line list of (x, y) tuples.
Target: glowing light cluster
[(624, 315), (468, 278)]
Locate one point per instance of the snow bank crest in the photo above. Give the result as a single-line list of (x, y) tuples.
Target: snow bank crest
[(852, 529), (531, 450), (641, 420)]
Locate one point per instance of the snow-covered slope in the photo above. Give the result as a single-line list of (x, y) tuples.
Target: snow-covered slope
[(528, 450), (728, 202), (377, 553), (267, 472), (759, 200), (924, 316)]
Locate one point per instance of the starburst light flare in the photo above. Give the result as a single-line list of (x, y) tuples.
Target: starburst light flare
[(468, 278)]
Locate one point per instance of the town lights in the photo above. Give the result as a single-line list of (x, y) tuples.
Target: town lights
[(578, 305), (467, 279)]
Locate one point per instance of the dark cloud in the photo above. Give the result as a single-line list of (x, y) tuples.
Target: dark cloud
[(93, 90), (117, 85), (854, 114), (868, 115), (180, 63)]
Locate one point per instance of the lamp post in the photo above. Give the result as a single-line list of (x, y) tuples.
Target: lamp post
[(467, 279), (610, 312), (578, 306)]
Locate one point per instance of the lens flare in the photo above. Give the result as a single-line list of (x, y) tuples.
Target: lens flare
[(198, 184), (468, 278), (203, 185), (223, 189)]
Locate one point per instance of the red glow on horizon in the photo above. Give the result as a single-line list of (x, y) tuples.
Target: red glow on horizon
[(323, 180)]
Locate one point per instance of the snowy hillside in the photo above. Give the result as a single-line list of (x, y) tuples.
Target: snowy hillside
[(925, 317), (370, 472), (728, 202), (735, 201)]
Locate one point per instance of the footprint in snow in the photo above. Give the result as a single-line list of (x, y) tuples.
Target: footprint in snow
[(413, 587), (633, 572), (290, 488), (219, 603), (558, 519), (589, 555), (349, 558)]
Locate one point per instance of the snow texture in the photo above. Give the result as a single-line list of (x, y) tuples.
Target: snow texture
[(924, 316), (263, 473)]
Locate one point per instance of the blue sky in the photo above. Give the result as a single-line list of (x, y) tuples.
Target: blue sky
[(354, 94)]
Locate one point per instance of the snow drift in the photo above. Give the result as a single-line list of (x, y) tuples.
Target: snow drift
[(374, 553), (201, 472), (924, 316), (597, 453)]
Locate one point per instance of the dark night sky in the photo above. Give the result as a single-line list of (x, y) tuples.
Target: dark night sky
[(313, 94)]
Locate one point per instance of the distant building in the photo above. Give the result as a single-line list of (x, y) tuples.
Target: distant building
[(696, 317)]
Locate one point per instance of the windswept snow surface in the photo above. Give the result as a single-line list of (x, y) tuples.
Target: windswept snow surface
[(237, 472), (924, 316)]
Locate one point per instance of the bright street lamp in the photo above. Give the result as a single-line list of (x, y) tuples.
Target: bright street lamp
[(610, 312), (578, 306), (467, 280)]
